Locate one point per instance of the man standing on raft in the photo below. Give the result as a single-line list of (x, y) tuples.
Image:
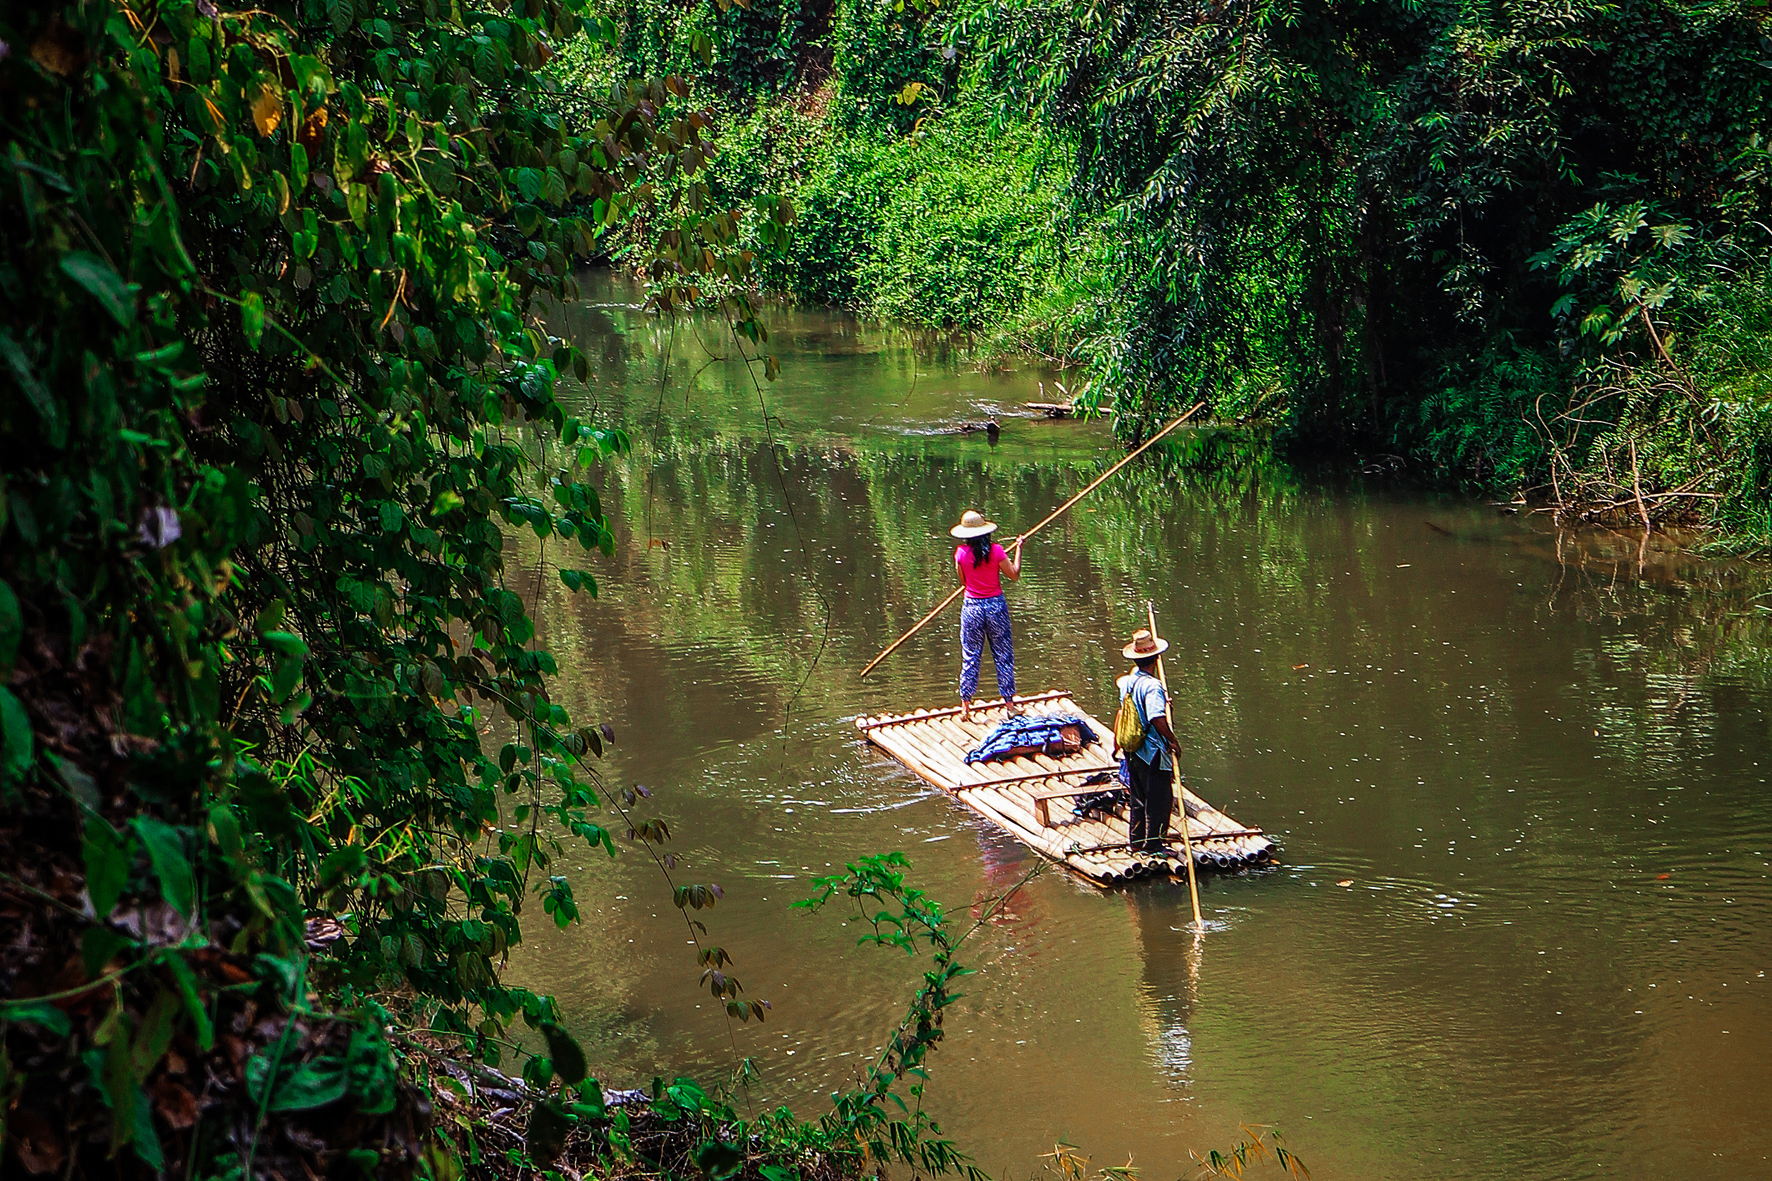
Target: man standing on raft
[(984, 615), (1149, 767)]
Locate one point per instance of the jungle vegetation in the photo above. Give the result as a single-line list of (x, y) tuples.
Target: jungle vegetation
[(276, 392), (1519, 248)]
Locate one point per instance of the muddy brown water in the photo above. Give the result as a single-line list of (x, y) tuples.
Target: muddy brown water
[(1522, 919)]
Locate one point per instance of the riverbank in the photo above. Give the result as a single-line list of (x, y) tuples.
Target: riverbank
[(967, 168)]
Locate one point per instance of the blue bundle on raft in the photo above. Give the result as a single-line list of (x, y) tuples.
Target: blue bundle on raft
[(1033, 734)]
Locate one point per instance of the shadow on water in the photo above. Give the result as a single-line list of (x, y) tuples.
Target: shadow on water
[(1522, 921)]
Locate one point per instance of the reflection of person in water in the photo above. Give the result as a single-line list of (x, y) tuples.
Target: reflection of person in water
[(1171, 974), (1006, 863)]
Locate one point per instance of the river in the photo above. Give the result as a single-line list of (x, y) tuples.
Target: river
[(1522, 918)]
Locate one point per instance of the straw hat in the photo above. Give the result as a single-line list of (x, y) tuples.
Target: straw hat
[(1144, 646), (973, 524)]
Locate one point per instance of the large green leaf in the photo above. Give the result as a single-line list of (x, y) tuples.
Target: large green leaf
[(102, 282), (302, 1088), (36, 1013), (55, 424), (107, 855), (166, 852), (316, 1084), (16, 741)]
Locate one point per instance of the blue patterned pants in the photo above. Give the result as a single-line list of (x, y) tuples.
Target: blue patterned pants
[(981, 620)]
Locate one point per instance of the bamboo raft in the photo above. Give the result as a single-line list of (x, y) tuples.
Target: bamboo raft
[(1031, 796)]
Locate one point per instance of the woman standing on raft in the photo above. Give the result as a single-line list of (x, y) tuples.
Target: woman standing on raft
[(984, 614)]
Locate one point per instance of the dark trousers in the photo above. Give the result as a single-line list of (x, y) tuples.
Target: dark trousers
[(1153, 797)]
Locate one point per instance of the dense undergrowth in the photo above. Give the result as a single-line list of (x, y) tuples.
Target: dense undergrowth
[(1505, 249)]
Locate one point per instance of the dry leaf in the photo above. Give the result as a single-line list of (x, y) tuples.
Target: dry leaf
[(38, 1148), (313, 130), (173, 1103), (267, 111), (60, 49), (1345, 882)]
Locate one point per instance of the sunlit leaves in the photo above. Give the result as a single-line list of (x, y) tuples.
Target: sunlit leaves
[(1605, 254), (267, 111), (252, 317)]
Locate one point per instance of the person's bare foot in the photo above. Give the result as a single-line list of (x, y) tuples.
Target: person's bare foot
[(1013, 707), (965, 711)]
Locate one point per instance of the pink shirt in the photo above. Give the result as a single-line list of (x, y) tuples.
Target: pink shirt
[(982, 582)]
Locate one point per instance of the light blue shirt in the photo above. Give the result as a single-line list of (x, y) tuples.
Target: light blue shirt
[(1151, 702)]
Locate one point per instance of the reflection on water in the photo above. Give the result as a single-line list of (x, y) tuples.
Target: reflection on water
[(1521, 924)]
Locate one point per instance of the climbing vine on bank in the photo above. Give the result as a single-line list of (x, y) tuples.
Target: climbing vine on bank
[(273, 386)]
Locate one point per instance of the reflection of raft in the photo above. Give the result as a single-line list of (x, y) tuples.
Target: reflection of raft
[(1031, 795)]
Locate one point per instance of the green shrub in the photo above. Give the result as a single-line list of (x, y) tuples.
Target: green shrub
[(949, 227), (880, 47), (1476, 427)]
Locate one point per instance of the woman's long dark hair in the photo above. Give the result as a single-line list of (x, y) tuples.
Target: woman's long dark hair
[(981, 550)]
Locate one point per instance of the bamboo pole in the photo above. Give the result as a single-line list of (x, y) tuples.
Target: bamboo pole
[(1050, 517), (1193, 886)]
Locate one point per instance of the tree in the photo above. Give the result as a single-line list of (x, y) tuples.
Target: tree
[(1337, 197)]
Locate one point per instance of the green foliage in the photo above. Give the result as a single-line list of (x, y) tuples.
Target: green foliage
[(1412, 222), (867, 51), (270, 335), (906, 204), (900, 916), (1477, 425), (753, 48), (948, 227), (1394, 229), (889, 64)]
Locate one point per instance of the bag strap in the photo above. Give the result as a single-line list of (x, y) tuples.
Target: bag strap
[(1138, 698)]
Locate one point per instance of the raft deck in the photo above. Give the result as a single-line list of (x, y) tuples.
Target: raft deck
[(1031, 796)]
